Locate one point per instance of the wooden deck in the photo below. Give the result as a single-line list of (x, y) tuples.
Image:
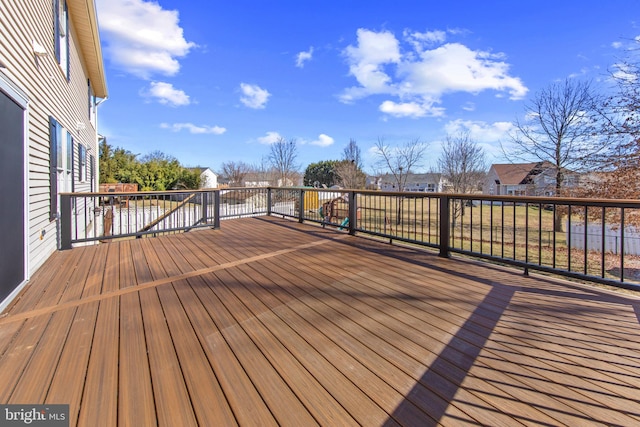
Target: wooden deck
[(269, 322)]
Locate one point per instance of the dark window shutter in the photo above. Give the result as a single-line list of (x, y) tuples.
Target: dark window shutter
[(56, 28), (53, 170), (66, 39), (73, 168)]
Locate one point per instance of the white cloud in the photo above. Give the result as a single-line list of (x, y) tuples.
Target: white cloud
[(624, 72), (422, 40), (480, 131), (454, 67), (421, 70), (204, 129), (254, 96), (302, 57), (367, 63), (469, 106), (323, 140), (166, 94), (410, 109), (616, 45), (270, 138), (142, 38), (493, 138)]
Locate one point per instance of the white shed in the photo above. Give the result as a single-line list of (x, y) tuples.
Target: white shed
[(208, 178)]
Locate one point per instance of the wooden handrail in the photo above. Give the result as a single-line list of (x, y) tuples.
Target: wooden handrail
[(161, 218)]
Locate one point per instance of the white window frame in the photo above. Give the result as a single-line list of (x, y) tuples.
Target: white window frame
[(64, 154), (82, 163), (61, 25)]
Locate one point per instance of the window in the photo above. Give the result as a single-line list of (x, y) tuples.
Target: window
[(92, 165), (60, 164), (91, 103), (55, 158), (82, 163), (59, 149), (61, 30), (69, 153)]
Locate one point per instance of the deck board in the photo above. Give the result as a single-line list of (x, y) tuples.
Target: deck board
[(101, 383), (173, 402), (136, 404), (269, 322), (387, 334), (244, 399), (18, 354)]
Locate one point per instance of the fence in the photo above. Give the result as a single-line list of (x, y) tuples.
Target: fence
[(598, 237), (547, 234)]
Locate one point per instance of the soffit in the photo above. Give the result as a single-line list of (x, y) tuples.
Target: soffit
[(83, 16)]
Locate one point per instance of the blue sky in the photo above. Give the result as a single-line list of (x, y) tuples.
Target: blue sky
[(209, 82)]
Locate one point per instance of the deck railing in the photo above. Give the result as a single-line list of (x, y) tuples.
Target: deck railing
[(597, 240), (99, 217)]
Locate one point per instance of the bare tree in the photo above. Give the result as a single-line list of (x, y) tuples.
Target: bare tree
[(235, 172), (562, 127), (618, 174), (462, 163), (263, 172), (400, 161), (282, 157), (352, 153), (349, 171), (621, 164), (349, 175)]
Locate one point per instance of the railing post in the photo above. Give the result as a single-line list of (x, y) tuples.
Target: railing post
[(204, 203), (269, 201), (445, 226), (353, 209), (65, 221), (216, 209), (301, 206)]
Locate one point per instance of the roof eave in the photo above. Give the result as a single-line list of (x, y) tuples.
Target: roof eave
[(83, 15)]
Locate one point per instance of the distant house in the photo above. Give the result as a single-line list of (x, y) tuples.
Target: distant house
[(544, 183), (266, 179), (256, 180), (289, 182), (208, 178), (526, 179), (372, 182), (51, 82), (422, 182)]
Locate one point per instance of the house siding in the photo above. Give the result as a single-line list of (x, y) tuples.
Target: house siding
[(490, 186), (208, 179), (50, 94), (423, 182), (526, 179)]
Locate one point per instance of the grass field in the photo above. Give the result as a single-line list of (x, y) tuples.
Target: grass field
[(509, 231)]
